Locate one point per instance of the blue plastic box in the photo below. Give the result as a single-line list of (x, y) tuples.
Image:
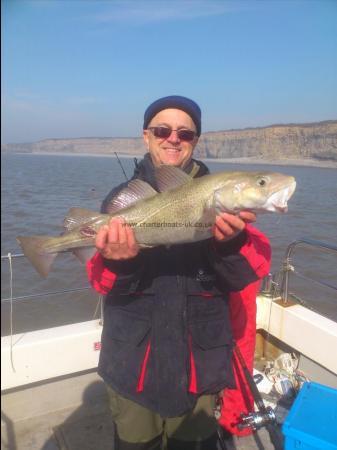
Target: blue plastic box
[(312, 421)]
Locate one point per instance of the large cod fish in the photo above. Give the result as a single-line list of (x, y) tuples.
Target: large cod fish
[(183, 211)]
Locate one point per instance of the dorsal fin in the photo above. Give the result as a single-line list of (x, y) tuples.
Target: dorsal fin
[(170, 177), (78, 216), (136, 190)]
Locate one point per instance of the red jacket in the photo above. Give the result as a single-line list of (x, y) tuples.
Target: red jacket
[(243, 319)]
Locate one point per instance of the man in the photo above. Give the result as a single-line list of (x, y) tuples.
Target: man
[(166, 340)]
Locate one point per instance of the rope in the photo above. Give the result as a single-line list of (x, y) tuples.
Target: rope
[(45, 294), (11, 308), (100, 305), (273, 291), (101, 297)]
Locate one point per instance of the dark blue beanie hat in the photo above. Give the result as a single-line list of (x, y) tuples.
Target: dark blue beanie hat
[(176, 102)]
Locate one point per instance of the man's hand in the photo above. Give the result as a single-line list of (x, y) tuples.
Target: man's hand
[(227, 226), (116, 241)]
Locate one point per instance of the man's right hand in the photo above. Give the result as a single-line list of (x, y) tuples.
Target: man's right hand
[(117, 240)]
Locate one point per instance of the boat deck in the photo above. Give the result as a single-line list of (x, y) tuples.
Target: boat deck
[(62, 405), (95, 432), (73, 414)]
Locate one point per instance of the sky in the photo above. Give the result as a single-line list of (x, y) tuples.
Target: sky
[(82, 68)]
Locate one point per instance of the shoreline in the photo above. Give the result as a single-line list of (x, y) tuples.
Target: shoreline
[(310, 162)]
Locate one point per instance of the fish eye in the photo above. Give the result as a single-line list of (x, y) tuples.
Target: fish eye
[(262, 181)]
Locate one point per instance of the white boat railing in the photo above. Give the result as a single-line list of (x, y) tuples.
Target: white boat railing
[(288, 266), (36, 295), (269, 285), (277, 285), (42, 294)]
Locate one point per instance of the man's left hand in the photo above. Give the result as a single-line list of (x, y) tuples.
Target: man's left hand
[(227, 226)]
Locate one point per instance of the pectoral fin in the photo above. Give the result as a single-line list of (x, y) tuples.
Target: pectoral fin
[(221, 204)]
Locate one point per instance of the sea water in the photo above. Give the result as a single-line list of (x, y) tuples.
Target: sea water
[(38, 190)]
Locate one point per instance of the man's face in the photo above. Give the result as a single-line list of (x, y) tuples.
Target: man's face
[(171, 150)]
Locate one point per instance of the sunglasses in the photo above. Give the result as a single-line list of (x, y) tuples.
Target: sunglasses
[(165, 132)]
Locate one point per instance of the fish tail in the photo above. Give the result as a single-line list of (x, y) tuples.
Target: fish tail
[(34, 248)]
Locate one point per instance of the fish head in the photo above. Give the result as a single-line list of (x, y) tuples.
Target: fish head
[(255, 191)]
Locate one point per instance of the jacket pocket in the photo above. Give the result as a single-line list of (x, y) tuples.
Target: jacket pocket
[(125, 339), (211, 347), (206, 306), (126, 327), (210, 334)]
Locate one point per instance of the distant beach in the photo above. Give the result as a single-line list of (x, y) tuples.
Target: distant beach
[(245, 160), (276, 162)]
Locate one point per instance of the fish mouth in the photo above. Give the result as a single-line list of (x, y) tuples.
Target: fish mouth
[(280, 209), (278, 200)]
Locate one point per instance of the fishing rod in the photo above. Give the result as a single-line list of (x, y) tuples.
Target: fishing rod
[(265, 416), (119, 162)]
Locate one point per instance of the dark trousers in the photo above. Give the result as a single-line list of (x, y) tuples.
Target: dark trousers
[(138, 428)]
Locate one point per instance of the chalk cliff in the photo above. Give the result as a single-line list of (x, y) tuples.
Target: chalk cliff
[(296, 141)]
